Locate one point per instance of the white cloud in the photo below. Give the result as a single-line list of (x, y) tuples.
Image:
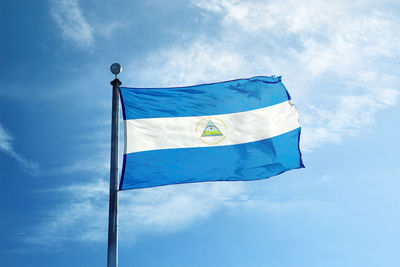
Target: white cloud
[(199, 62), (351, 114), (97, 164), (170, 208), (82, 217), (337, 58), (6, 145), (68, 16), (5, 139)]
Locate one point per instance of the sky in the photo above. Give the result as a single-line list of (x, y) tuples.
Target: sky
[(338, 59)]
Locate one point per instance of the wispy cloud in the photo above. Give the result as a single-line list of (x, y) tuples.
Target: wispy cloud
[(74, 26), (82, 217), (199, 62), (352, 114), (337, 58), (166, 209), (6, 145), (172, 208)]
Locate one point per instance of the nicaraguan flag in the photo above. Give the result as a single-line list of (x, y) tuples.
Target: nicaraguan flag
[(244, 129)]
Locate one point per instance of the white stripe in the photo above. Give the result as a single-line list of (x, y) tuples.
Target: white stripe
[(184, 132)]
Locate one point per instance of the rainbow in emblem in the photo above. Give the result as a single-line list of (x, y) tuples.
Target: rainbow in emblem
[(211, 130)]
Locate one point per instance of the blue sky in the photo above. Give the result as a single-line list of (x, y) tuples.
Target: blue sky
[(338, 59)]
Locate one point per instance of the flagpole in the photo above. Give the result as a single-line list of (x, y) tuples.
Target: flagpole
[(112, 256)]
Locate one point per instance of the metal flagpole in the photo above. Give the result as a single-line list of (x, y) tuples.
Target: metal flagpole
[(112, 256)]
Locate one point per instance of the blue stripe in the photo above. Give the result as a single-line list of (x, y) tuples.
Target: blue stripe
[(201, 100), (249, 161)]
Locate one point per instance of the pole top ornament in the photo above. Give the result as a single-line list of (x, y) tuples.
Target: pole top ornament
[(116, 69)]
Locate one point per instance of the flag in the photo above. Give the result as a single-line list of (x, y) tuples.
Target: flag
[(245, 129)]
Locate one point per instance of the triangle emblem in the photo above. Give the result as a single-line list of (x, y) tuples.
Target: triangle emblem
[(211, 130)]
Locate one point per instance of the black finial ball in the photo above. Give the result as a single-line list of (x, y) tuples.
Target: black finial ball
[(115, 69)]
